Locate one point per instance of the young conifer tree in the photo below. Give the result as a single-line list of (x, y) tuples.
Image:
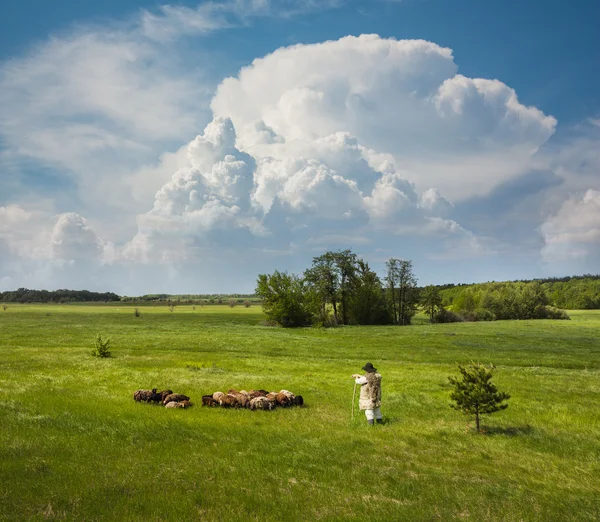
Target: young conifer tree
[(475, 394)]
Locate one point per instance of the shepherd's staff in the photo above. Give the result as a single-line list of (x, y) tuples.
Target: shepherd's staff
[(353, 398)]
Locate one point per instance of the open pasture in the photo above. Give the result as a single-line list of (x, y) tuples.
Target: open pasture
[(75, 446)]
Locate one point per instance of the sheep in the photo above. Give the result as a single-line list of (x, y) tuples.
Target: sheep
[(288, 394), (175, 397), (242, 399), (184, 404), (283, 400), (217, 396), (164, 393), (257, 393), (260, 403), (229, 401), (155, 397), (173, 404), (142, 395), (207, 400), (298, 400)]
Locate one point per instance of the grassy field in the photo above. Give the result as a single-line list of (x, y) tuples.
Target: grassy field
[(75, 446)]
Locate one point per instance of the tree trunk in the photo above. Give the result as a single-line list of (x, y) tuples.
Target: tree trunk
[(477, 419)]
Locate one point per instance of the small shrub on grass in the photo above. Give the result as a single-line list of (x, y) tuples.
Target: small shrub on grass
[(475, 394), (247, 304), (101, 347), (137, 313), (171, 308), (4, 307), (231, 303)]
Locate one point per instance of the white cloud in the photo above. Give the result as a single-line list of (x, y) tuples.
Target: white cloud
[(573, 233), (398, 97)]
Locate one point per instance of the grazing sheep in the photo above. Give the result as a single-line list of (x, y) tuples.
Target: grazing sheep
[(288, 394), (217, 396), (260, 403), (257, 393), (164, 393), (155, 397), (175, 397), (184, 404), (242, 399), (299, 401), (283, 400), (229, 401), (142, 395), (173, 404), (207, 400)]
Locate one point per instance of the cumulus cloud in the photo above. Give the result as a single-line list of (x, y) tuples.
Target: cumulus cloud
[(573, 233), (402, 97)]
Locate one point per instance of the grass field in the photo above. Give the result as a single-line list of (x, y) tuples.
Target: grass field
[(75, 446)]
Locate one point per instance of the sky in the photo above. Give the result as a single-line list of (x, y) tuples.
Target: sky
[(188, 147)]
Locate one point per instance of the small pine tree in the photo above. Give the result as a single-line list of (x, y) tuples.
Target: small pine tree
[(475, 394), (101, 347)]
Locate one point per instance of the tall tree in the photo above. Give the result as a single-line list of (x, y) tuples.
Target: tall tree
[(324, 278), (402, 287), (368, 304), (431, 301), (345, 262), (285, 299)]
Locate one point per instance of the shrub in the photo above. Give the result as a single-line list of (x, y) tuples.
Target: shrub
[(101, 347), (549, 312), (136, 312), (4, 307), (247, 304), (231, 303), (193, 308), (171, 308), (475, 394)]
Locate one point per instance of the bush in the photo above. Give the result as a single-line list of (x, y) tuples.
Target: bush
[(247, 304), (231, 303), (136, 312), (549, 312), (4, 307), (101, 347)]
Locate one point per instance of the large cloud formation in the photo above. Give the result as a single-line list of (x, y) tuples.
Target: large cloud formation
[(361, 142)]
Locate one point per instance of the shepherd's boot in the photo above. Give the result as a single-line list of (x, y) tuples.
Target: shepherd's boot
[(379, 421), (371, 422)]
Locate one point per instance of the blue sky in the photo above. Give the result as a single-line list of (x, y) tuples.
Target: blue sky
[(148, 148)]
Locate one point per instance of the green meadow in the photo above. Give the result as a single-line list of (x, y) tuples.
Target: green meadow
[(75, 446)]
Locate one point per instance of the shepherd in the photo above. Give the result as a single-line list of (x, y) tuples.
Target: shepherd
[(370, 393)]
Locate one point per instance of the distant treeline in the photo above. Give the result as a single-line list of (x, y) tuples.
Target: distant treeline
[(25, 295), (571, 293), (191, 298)]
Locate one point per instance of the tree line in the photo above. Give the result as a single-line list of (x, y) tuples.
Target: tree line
[(25, 295), (340, 289)]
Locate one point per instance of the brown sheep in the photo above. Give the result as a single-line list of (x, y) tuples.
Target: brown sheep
[(217, 396), (207, 400), (164, 393), (242, 399), (175, 397), (142, 395), (283, 400), (184, 404), (257, 393), (229, 401)]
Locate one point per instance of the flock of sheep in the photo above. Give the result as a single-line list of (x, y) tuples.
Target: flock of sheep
[(252, 400)]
